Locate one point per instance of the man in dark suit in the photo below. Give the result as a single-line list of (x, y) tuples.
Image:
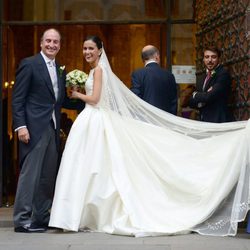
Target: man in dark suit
[(212, 90), (154, 84), (38, 95)]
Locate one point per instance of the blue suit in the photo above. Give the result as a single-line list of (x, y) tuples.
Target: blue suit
[(34, 100), (156, 86)]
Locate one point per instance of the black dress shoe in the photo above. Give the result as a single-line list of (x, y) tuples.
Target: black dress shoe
[(30, 229), (35, 228), (21, 229)]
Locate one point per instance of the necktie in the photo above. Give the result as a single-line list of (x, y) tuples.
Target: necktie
[(53, 77), (206, 79)]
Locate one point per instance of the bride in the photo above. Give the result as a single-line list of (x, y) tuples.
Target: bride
[(129, 168)]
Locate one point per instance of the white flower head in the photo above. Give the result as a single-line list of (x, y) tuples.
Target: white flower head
[(61, 69), (76, 77)]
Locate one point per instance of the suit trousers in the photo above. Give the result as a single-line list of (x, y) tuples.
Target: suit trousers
[(36, 182), (248, 223)]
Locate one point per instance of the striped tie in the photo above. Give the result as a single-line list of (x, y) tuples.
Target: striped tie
[(206, 79)]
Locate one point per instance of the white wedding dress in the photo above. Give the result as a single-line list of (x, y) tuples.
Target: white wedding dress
[(129, 168)]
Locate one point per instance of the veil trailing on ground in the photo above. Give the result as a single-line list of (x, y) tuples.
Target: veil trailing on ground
[(233, 209)]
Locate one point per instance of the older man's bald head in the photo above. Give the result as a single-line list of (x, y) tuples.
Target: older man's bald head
[(150, 52)]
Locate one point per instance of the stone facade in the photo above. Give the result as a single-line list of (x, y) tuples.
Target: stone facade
[(226, 24)]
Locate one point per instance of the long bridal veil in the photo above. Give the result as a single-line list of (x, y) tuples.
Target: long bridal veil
[(117, 97), (224, 218)]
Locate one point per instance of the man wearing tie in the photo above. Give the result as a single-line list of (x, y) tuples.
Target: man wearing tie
[(212, 90), (38, 95)]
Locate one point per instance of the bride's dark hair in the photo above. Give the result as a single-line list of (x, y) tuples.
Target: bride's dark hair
[(95, 39)]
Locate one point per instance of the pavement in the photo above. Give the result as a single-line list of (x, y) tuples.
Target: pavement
[(59, 240)]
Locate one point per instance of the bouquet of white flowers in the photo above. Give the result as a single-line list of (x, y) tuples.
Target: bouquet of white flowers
[(76, 78)]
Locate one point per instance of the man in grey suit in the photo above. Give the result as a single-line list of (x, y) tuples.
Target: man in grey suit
[(38, 95), (154, 84)]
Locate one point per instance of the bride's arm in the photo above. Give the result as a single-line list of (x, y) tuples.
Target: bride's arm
[(97, 87)]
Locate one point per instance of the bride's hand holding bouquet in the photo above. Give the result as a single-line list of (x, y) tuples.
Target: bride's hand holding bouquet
[(75, 82)]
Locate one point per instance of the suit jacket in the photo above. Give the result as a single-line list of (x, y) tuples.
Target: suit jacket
[(213, 105), (156, 86), (33, 100)]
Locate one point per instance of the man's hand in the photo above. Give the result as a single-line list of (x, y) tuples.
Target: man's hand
[(23, 135), (210, 89)]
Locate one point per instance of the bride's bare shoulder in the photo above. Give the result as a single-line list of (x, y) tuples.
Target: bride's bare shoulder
[(98, 69)]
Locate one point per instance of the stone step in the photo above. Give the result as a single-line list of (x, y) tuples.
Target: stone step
[(6, 219)]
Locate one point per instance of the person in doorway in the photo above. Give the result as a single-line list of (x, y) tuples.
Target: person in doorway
[(154, 84), (38, 95), (213, 89), (130, 168)]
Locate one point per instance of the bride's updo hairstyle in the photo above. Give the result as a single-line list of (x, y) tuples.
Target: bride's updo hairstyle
[(96, 40)]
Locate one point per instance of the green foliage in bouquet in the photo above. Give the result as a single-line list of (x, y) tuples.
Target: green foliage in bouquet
[(76, 78)]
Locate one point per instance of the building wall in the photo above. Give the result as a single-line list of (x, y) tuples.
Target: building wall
[(226, 24)]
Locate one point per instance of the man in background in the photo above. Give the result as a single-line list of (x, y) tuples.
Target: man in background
[(212, 89), (154, 84)]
